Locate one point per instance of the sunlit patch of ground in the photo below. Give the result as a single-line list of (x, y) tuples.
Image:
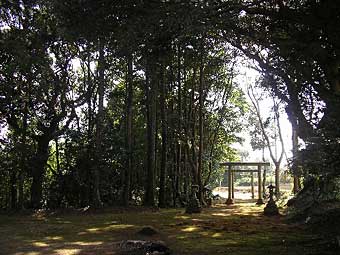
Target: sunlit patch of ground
[(237, 229)]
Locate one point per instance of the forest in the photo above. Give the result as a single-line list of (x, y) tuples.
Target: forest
[(136, 103), (132, 102)]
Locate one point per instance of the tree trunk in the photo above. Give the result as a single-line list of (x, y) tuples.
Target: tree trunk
[(277, 179), (149, 199), (200, 152), (21, 184), (86, 189), (179, 127), (264, 190), (192, 122), (174, 174), (59, 174), (23, 159), (39, 171), (296, 186), (277, 161), (185, 171), (99, 130), (129, 98), (13, 184), (163, 170)]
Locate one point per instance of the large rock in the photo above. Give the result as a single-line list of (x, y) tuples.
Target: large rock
[(318, 205), (316, 191), (141, 247), (147, 231)]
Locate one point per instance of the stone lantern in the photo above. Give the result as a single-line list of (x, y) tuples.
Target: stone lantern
[(271, 207), (194, 205)]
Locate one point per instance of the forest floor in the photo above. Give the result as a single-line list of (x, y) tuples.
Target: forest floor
[(237, 229)]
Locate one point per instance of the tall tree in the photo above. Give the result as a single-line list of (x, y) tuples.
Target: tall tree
[(273, 154), (151, 92), (164, 149), (200, 128), (99, 127), (128, 114)]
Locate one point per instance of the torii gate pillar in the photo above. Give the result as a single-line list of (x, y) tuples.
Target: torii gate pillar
[(230, 200), (259, 183), (231, 175)]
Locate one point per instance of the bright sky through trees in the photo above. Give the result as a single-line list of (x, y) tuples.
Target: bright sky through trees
[(248, 75)]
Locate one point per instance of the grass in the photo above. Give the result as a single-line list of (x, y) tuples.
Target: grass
[(237, 229)]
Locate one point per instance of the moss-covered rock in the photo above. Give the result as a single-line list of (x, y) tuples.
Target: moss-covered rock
[(316, 191)]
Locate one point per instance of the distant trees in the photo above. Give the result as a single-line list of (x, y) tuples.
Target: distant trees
[(295, 45), (270, 131), (296, 48)]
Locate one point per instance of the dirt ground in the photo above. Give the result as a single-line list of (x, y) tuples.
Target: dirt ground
[(244, 192), (236, 229)]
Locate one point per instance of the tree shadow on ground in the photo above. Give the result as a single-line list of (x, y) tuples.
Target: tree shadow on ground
[(237, 229)]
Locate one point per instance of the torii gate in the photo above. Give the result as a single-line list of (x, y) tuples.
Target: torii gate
[(231, 171)]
